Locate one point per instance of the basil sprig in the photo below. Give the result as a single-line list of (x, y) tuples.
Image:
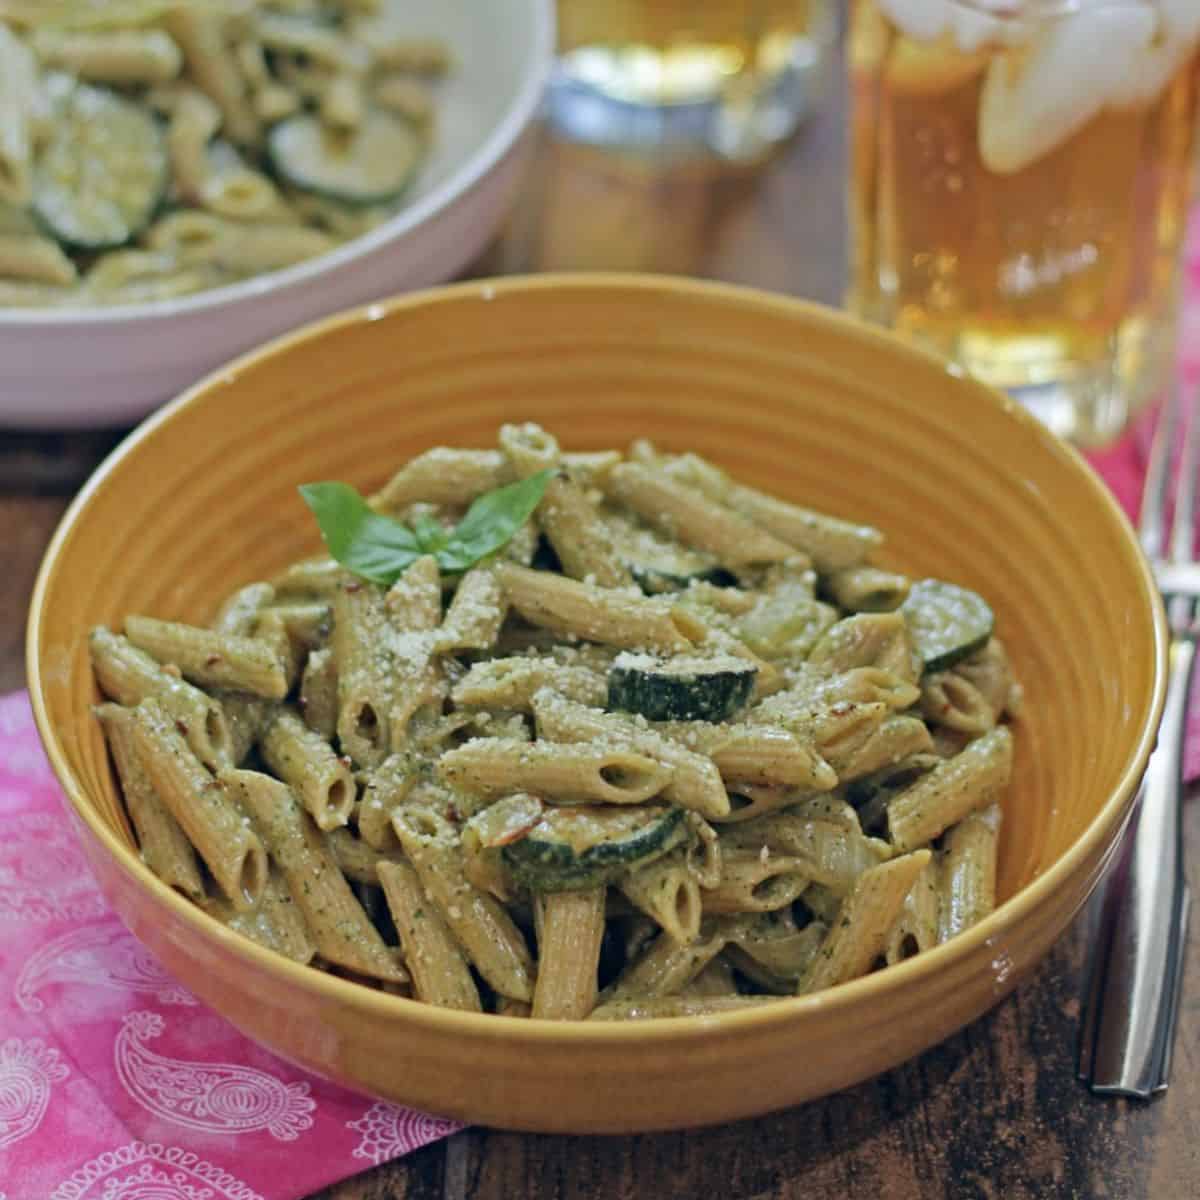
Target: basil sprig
[(379, 549)]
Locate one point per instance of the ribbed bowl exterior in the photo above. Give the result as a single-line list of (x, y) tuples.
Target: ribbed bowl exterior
[(799, 401)]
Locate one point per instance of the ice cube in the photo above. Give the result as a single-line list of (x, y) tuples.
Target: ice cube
[(1035, 97), (1175, 40)]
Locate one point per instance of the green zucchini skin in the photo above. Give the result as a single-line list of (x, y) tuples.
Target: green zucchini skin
[(372, 165), (690, 689), (103, 175), (560, 854), (948, 623)]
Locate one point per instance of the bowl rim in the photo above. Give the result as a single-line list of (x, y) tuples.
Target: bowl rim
[(505, 134), (869, 988)]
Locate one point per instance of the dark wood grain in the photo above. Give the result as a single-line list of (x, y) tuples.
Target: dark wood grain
[(995, 1113)]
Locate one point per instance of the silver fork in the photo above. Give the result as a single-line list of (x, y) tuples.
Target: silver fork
[(1137, 963)]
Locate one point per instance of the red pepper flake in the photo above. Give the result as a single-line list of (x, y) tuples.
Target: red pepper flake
[(212, 660), (182, 727)]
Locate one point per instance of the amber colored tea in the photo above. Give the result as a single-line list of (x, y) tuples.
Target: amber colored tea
[(1020, 189)]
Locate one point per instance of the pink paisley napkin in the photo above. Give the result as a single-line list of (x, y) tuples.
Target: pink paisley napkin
[(115, 1082)]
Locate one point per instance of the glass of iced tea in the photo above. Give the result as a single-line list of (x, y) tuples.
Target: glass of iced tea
[(1021, 178), (680, 78)]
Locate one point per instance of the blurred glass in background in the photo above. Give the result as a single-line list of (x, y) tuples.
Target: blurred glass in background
[(679, 78), (1021, 176)]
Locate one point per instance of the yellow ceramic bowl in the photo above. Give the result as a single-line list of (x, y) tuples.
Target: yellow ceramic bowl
[(796, 399)]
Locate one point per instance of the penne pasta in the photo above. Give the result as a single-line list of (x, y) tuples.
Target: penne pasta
[(546, 747)]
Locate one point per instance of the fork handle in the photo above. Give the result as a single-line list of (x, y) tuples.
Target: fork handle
[(1137, 999)]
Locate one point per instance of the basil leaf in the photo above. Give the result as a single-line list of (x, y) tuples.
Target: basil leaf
[(491, 521), (429, 533), (372, 546)]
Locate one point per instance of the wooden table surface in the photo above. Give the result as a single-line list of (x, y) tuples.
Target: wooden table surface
[(993, 1114)]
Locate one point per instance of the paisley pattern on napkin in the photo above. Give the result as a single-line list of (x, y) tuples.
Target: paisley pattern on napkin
[(116, 1083)]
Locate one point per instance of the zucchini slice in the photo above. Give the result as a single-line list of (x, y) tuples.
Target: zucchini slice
[(658, 564), (103, 175), (371, 165), (574, 848), (948, 623), (684, 688)]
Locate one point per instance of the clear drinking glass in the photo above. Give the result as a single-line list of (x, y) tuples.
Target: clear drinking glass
[(730, 78), (1021, 179)]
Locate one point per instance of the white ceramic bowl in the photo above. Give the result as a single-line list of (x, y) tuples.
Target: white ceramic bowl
[(74, 368)]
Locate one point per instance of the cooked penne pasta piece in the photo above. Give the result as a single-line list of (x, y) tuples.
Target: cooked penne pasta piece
[(205, 810), (859, 934), (414, 607), (419, 56), (204, 37), (756, 754), (749, 801), (830, 543), (163, 845), (773, 943), (829, 847), (408, 98), (440, 973), (614, 618), (343, 105), (879, 640), (241, 609), (121, 56), (896, 738), (756, 882), (666, 966), (916, 927), (213, 659), (306, 762), (667, 890), (568, 518), (991, 673), (570, 929), (275, 921), (194, 122), (443, 476), (692, 517), (19, 88), (511, 683), (339, 927), (313, 578), (695, 782), (37, 259), (717, 979), (967, 879), (483, 928), (867, 589), (366, 690), (703, 856), (565, 773), (246, 716), (358, 860), (128, 676), (388, 786), (318, 700), (958, 786), (475, 615), (952, 701)]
